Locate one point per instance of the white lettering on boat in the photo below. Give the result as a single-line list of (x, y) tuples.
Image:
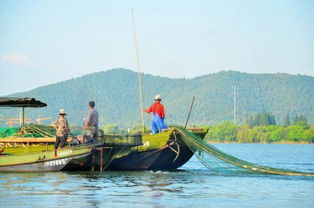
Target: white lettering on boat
[(55, 162), (64, 152)]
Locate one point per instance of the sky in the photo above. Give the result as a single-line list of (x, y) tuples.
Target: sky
[(43, 42)]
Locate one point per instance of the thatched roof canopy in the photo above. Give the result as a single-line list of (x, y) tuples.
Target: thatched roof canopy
[(26, 102)]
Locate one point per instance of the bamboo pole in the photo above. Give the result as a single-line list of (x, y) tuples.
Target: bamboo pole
[(23, 116), (191, 106), (30, 140), (139, 72), (27, 140)]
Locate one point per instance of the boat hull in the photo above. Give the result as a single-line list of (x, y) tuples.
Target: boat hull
[(45, 166), (135, 161), (72, 158), (164, 159), (171, 156)]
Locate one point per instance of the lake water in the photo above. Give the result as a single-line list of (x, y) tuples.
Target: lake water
[(191, 186)]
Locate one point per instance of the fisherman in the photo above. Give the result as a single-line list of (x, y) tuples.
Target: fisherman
[(63, 131), (92, 121), (157, 109)]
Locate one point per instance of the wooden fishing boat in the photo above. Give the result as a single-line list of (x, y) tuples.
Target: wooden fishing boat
[(38, 159), (20, 154), (162, 151)]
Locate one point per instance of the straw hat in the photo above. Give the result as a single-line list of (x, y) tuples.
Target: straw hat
[(62, 112), (157, 97)]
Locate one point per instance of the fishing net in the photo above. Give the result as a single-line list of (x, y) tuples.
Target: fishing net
[(7, 132), (31, 130), (215, 159)]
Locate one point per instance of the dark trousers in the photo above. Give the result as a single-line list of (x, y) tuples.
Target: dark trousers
[(93, 131), (60, 141)]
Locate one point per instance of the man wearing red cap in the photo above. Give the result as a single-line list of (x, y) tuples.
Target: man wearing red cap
[(158, 121)]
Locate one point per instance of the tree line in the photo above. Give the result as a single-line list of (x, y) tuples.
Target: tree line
[(262, 128)]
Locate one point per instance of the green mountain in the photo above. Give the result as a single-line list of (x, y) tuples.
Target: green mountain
[(116, 95)]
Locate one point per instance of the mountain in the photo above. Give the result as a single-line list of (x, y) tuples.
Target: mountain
[(116, 95)]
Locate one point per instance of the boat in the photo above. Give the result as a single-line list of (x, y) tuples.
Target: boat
[(38, 160), (27, 154), (163, 151)]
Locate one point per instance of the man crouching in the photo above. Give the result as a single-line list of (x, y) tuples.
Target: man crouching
[(62, 128)]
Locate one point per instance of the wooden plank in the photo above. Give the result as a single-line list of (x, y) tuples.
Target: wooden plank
[(27, 140)]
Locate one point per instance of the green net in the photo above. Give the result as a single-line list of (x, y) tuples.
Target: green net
[(31, 130), (211, 156), (7, 132)]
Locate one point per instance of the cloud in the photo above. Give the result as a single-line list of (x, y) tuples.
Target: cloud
[(15, 58)]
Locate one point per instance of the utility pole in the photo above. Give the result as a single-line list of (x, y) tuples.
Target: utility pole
[(235, 93)]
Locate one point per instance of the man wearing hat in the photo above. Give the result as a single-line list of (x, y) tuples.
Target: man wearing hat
[(63, 131), (92, 121), (157, 109)]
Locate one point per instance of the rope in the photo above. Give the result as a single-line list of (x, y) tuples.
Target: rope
[(178, 147)]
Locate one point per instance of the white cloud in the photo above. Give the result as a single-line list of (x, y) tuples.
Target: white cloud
[(15, 58)]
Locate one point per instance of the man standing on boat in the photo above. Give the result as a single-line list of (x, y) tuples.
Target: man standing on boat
[(63, 131), (92, 121), (157, 109)]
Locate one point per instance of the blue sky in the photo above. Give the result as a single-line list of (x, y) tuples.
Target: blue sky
[(42, 42)]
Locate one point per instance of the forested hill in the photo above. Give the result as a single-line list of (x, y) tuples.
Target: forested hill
[(116, 95)]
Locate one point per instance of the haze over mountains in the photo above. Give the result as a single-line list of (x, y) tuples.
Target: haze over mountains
[(116, 95)]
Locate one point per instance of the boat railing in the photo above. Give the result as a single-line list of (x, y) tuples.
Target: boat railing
[(122, 140)]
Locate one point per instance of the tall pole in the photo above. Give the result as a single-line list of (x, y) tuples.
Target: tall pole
[(234, 88), (187, 120), (139, 72), (23, 117)]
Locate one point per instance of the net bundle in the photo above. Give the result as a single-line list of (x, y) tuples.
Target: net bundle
[(31, 130)]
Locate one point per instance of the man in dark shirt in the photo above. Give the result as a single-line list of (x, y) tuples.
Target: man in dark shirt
[(92, 120), (157, 109)]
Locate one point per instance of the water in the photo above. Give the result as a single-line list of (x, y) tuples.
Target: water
[(191, 186)]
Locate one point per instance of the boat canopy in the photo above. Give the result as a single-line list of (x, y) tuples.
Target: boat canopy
[(26, 102)]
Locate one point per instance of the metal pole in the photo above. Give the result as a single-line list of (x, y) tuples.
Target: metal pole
[(23, 117), (139, 72), (187, 120), (93, 159), (101, 153)]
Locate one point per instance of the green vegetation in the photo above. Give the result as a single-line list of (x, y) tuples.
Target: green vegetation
[(116, 95), (228, 132)]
